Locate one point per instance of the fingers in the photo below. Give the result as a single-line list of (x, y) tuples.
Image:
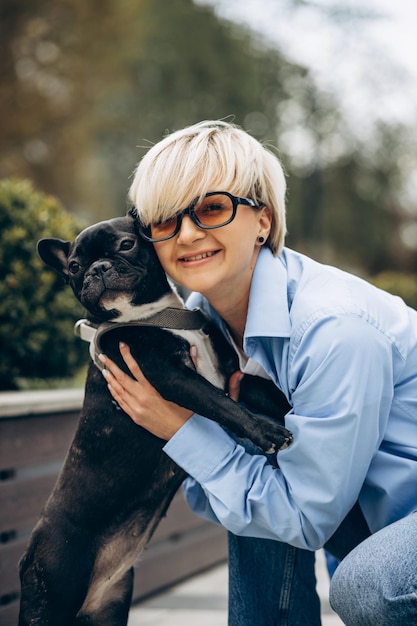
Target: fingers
[(130, 362), (134, 395), (118, 386), (128, 359), (194, 355), (234, 385), (117, 392), (123, 388), (140, 400), (117, 374)]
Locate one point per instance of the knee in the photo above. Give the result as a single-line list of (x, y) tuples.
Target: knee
[(367, 591), (346, 590)]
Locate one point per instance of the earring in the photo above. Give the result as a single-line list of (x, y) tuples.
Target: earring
[(261, 240)]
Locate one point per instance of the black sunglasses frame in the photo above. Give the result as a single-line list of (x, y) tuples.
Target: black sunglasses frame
[(236, 200)]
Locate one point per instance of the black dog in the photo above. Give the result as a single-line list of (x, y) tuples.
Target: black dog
[(117, 483)]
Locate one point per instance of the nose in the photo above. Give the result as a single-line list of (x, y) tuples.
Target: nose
[(189, 231), (100, 268)]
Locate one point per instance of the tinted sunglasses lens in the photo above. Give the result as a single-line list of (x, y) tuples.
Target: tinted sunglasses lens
[(213, 211), (162, 230)]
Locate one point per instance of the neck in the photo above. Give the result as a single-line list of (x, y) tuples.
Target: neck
[(237, 329), (234, 313), (231, 303)]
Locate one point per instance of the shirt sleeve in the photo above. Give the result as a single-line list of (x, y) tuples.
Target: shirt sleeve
[(341, 383)]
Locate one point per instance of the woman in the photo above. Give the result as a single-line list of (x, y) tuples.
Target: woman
[(343, 352)]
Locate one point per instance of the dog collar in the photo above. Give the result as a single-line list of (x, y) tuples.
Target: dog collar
[(169, 318)]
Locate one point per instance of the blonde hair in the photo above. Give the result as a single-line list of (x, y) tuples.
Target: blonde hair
[(209, 156)]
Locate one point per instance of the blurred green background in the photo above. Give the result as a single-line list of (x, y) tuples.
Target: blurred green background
[(86, 86)]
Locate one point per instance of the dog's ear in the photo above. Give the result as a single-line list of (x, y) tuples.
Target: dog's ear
[(133, 212), (134, 216), (54, 252)]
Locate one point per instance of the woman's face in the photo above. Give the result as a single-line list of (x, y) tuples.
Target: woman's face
[(217, 263)]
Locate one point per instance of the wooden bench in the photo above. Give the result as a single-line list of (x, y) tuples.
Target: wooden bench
[(36, 429)]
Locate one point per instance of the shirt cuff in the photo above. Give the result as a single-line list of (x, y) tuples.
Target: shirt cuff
[(199, 447)]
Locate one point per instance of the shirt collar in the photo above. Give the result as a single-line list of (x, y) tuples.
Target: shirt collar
[(268, 312)]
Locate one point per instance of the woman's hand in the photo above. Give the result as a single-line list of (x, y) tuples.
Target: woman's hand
[(140, 400)]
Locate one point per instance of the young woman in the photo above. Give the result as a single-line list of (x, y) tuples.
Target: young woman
[(212, 199)]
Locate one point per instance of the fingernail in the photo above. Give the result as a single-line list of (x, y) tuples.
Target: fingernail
[(102, 358), (105, 373), (122, 345)]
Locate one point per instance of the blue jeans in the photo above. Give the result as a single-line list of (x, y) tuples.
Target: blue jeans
[(271, 584), (376, 584), (274, 584)]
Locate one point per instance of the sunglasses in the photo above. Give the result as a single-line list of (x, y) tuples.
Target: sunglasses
[(215, 209)]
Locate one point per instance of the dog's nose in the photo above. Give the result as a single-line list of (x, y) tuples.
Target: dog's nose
[(101, 267)]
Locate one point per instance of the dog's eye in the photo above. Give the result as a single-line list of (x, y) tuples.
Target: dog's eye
[(74, 267), (127, 244)]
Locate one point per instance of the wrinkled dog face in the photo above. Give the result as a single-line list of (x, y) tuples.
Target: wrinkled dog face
[(104, 266), (109, 267)]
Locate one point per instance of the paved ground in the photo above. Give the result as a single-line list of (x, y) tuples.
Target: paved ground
[(202, 601)]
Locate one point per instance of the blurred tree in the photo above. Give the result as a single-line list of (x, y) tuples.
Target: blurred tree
[(344, 193), (195, 67), (56, 69), (88, 85), (399, 284), (36, 312), (85, 82)]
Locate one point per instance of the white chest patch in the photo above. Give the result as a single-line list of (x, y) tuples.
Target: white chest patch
[(130, 313), (207, 363)]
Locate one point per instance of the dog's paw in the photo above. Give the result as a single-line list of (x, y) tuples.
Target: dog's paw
[(272, 437)]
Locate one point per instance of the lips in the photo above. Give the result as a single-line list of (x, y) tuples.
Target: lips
[(198, 257)]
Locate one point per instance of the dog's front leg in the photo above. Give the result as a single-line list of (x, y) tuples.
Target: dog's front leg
[(187, 388)]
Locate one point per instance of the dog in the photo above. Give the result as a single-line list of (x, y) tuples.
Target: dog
[(116, 482)]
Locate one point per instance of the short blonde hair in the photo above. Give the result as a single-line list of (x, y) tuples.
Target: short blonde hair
[(209, 156)]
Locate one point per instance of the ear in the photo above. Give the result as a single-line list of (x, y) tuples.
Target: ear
[(265, 221), (54, 252)]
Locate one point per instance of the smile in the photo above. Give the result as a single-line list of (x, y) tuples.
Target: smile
[(198, 257)]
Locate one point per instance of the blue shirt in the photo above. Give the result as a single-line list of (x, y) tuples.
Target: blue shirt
[(344, 353)]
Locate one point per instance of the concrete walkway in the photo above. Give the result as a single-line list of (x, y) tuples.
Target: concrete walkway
[(202, 601)]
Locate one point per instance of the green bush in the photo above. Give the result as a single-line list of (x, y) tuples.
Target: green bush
[(37, 310), (400, 284)]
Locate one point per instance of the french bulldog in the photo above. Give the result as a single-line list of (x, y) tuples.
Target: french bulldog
[(116, 482)]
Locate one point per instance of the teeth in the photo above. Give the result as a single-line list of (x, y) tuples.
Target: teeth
[(197, 257)]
